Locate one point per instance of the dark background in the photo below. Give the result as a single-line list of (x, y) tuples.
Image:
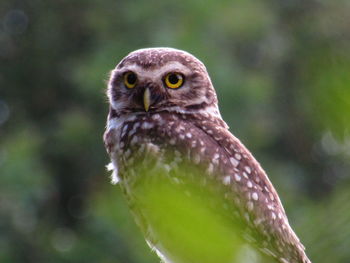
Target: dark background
[(282, 73)]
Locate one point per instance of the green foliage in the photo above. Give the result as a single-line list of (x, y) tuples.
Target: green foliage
[(281, 70), (187, 225), (329, 78), (192, 227)]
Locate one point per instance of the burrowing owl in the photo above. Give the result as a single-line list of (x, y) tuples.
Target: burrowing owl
[(164, 125)]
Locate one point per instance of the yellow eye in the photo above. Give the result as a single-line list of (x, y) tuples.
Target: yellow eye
[(130, 79), (174, 80)]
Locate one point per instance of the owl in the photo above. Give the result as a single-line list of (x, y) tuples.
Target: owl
[(178, 164)]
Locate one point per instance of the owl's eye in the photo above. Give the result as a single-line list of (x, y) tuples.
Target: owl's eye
[(130, 79), (174, 80)]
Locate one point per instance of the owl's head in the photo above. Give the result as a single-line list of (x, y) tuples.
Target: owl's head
[(160, 79)]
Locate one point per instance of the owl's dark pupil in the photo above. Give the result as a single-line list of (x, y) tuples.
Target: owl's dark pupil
[(131, 78), (173, 79)]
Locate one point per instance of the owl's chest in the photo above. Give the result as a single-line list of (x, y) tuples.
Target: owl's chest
[(167, 145), (145, 157), (157, 150), (139, 151)]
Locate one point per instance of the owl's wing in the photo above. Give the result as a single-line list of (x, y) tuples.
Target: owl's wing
[(258, 201)]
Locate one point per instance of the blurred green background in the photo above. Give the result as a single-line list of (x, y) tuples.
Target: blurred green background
[(282, 73)]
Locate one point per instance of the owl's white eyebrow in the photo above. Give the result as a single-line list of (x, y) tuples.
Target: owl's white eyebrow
[(172, 66)]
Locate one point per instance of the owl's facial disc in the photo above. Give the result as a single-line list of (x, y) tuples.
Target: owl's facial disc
[(159, 79)]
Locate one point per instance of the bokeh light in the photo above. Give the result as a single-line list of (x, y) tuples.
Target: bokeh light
[(15, 22)]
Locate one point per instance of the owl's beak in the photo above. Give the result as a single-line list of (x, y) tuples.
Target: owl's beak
[(146, 99)]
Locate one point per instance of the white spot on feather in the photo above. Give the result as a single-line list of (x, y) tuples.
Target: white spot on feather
[(124, 130), (255, 196), (273, 215), (216, 158), (234, 162), (147, 125), (238, 156), (226, 180), (131, 118), (270, 207), (193, 143), (113, 167), (178, 129), (249, 184), (156, 116), (110, 167), (237, 177)]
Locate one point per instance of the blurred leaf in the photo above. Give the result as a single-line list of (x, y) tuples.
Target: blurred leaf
[(328, 98)]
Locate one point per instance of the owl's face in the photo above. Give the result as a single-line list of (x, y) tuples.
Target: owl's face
[(158, 79)]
